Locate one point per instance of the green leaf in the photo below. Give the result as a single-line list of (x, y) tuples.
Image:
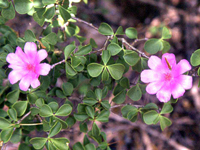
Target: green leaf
[(4, 4), (84, 50), (166, 46), (80, 117), (34, 111), (132, 115), (16, 136), (126, 109), (152, 46), (83, 127), (98, 93), (95, 69), (55, 129), (54, 106), (150, 106), (13, 96), (51, 38), (70, 70), (68, 50), (95, 130), (166, 34), (64, 110), (135, 93), (120, 97), (78, 146), (61, 143), (64, 13), (105, 104), (12, 113), (116, 70), (39, 20), (23, 6), (45, 111), (4, 123), (114, 49), (67, 88), (131, 58), (38, 4), (48, 2), (24, 146), (167, 108), (103, 116), (9, 12), (20, 107), (119, 31), (105, 75), (90, 111), (105, 29), (150, 116), (3, 113), (103, 145), (29, 36), (89, 101), (38, 142), (106, 56), (131, 33), (93, 43), (164, 122), (39, 102), (86, 140), (90, 146), (71, 121), (124, 82), (195, 58), (141, 65), (6, 134)]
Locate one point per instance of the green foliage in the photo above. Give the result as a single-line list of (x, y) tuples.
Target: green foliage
[(195, 58), (81, 78)]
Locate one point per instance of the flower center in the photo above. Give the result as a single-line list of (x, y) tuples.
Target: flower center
[(30, 67), (168, 76)]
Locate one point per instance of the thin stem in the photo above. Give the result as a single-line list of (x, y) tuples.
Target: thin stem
[(87, 23), (31, 124), (133, 48), (120, 105), (26, 115), (139, 40), (58, 63)]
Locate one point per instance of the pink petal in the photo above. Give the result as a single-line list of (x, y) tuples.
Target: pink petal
[(43, 69), (14, 76), (154, 87), (42, 54), (154, 62), (170, 58), (30, 47), (35, 83), (21, 54), (164, 94), (25, 82), (185, 81), (177, 91), (183, 66), (14, 59), (149, 76)]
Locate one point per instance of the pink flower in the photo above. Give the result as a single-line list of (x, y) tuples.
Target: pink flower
[(26, 66), (166, 77)]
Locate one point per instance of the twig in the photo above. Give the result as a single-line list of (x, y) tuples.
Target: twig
[(138, 40), (133, 48), (87, 23), (26, 115), (58, 63), (120, 105)]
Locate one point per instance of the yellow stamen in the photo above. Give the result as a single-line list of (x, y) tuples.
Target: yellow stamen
[(168, 64)]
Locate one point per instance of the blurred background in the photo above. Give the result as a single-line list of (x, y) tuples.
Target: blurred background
[(148, 17)]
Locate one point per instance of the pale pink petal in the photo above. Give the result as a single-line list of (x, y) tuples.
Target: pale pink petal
[(43, 69), (185, 81), (42, 54), (149, 76), (154, 62), (16, 67), (30, 47), (25, 82), (164, 94), (35, 83), (170, 58), (177, 91), (154, 87), (14, 59), (21, 54), (14, 76), (184, 66)]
